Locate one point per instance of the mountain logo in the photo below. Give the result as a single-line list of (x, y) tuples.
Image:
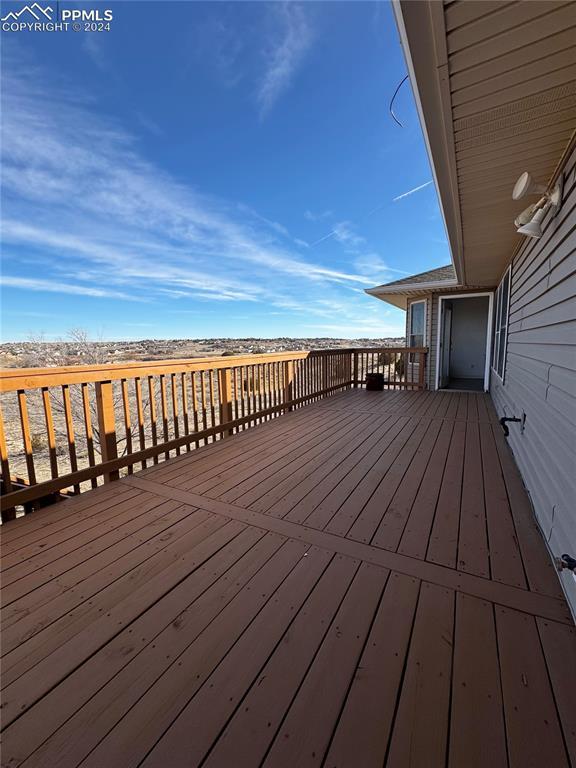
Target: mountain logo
[(35, 10)]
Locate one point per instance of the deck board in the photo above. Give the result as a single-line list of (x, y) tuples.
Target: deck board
[(359, 582)]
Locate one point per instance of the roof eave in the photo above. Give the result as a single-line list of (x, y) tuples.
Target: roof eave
[(411, 287), (423, 38)]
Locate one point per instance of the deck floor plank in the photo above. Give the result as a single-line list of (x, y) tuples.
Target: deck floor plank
[(264, 488), (131, 659), (532, 725), (269, 677), (21, 597), (305, 733), (93, 576), (248, 734), (300, 484), (324, 514), (363, 730), (394, 518), (267, 461), (420, 730), (45, 659), (289, 577), (473, 553), (416, 535), (359, 582), (477, 729), (305, 505)]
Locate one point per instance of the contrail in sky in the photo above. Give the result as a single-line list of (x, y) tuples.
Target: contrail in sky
[(374, 210), (411, 191)]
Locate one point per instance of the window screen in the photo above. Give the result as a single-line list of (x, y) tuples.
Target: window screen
[(501, 325), (417, 324)]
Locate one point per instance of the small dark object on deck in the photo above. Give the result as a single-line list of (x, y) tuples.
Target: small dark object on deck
[(375, 382)]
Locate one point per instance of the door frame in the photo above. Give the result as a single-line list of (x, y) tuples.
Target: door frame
[(442, 356), (439, 330)]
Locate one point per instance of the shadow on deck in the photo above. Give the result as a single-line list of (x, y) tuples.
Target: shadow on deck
[(358, 583)]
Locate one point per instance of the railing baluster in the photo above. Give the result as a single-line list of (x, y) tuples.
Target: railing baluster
[(270, 389), (194, 405), (261, 389), (212, 402), (203, 400), (88, 431), (50, 431), (164, 409), (140, 415), (152, 403), (70, 431), (175, 408), (185, 419), (26, 437), (242, 375), (127, 420)]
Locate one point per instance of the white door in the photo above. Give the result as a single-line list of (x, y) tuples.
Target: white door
[(446, 334)]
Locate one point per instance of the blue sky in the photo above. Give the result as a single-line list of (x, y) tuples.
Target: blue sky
[(212, 169)]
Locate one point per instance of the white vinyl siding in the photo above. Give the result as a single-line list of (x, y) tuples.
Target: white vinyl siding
[(541, 374)]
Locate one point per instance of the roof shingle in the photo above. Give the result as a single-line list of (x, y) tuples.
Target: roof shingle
[(440, 274)]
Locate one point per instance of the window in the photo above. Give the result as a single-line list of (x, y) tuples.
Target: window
[(501, 325), (417, 324)]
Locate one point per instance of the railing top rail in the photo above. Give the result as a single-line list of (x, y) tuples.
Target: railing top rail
[(14, 379)]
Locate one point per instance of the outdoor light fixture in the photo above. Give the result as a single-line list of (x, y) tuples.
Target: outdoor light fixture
[(530, 220), (526, 186)]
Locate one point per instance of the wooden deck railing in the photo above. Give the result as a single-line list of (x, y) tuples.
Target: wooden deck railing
[(72, 426)]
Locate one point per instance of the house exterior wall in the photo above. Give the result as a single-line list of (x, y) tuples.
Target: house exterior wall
[(540, 374)]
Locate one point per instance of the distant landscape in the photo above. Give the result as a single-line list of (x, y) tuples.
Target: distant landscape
[(79, 349)]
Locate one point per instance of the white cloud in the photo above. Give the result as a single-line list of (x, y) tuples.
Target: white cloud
[(92, 45), (372, 330), (344, 234), (311, 216), (101, 221), (119, 212), (374, 267), (32, 284), (289, 43)]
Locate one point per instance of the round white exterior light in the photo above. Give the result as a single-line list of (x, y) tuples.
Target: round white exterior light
[(526, 186)]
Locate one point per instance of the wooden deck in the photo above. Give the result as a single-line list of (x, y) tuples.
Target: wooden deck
[(358, 583)]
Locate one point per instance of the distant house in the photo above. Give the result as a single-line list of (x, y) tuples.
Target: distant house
[(493, 104)]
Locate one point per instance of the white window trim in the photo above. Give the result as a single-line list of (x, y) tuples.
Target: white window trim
[(488, 363), (495, 319), (425, 329)]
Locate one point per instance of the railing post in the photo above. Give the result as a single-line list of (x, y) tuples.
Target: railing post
[(325, 373), (422, 371), (288, 379), (225, 389), (6, 513), (405, 359), (107, 425), (355, 370)]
